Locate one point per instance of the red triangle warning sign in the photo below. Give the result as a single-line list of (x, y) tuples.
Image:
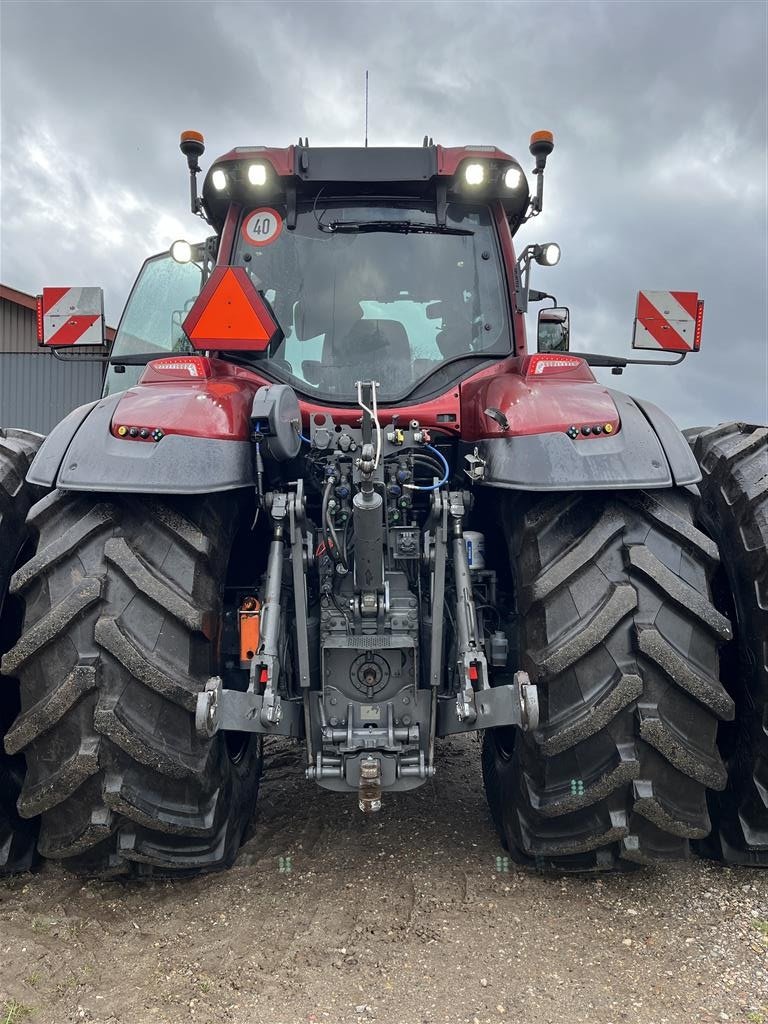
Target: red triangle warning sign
[(230, 314)]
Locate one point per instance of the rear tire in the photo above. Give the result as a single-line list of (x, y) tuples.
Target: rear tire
[(121, 632), (734, 511), (617, 628), (17, 449)]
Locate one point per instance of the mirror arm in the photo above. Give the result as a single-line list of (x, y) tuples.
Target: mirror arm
[(618, 363), (77, 357)]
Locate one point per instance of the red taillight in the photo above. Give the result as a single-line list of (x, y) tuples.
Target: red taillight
[(551, 363), (186, 368)]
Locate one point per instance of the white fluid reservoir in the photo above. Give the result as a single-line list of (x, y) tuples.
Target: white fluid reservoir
[(475, 543)]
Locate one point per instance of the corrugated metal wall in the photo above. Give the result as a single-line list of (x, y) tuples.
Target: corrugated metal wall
[(37, 389), (18, 329)]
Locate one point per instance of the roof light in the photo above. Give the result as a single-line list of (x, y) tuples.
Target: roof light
[(219, 180), (257, 174), (181, 251), (548, 254), (474, 174), (513, 177)]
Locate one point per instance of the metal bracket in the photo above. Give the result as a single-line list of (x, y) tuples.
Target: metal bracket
[(239, 711), (515, 703), (475, 466)]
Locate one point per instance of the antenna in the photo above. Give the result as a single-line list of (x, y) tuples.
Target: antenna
[(366, 108)]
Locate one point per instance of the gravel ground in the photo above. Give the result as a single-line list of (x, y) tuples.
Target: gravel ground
[(407, 918)]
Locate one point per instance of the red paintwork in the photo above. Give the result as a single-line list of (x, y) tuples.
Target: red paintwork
[(448, 159), (534, 404), (509, 263), (218, 406), (282, 160)]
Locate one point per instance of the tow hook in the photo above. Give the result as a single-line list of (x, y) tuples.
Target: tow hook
[(369, 790)]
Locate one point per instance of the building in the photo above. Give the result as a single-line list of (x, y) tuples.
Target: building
[(38, 387)]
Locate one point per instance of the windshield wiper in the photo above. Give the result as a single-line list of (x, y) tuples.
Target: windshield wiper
[(402, 227)]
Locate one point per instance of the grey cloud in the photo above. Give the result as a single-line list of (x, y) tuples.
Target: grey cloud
[(658, 178)]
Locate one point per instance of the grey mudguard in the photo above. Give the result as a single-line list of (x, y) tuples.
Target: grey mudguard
[(648, 451), (685, 468), (46, 463), (82, 455)]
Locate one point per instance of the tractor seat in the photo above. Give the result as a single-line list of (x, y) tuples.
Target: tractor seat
[(370, 350)]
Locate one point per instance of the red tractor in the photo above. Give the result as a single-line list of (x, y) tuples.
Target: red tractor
[(329, 494)]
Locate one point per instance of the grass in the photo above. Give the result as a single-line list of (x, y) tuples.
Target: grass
[(14, 1012), (762, 926)]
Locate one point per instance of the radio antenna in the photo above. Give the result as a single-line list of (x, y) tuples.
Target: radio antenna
[(366, 109)]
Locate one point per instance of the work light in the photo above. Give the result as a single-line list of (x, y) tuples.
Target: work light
[(257, 174), (219, 180), (474, 174), (548, 254), (513, 177), (181, 251)]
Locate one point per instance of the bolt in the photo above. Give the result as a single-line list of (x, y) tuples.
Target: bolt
[(406, 700), (333, 700)]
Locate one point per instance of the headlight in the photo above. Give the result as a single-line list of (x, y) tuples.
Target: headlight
[(474, 174), (219, 180), (513, 177), (181, 251), (257, 174)]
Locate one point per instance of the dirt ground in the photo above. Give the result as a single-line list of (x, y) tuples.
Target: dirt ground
[(406, 918)]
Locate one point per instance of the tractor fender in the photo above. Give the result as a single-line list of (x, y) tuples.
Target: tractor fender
[(82, 454), (648, 451)]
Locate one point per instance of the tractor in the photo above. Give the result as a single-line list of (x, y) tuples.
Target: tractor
[(329, 494)]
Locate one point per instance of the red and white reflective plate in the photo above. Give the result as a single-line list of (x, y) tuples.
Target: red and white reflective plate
[(670, 321)]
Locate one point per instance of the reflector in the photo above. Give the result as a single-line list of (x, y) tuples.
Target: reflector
[(230, 314)]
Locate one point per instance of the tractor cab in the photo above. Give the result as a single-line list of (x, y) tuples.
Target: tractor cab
[(380, 264)]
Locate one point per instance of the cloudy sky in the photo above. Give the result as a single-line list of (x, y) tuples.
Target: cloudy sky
[(658, 179)]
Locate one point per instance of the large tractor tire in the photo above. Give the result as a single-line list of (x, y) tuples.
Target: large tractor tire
[(734, 512), (617, 628), (121, 632), (17, 449)]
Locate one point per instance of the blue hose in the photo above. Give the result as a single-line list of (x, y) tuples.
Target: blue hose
[(446, 468)]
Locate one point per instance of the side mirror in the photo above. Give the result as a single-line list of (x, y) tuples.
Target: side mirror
[(670, 321), (554, 330), (70, 316)]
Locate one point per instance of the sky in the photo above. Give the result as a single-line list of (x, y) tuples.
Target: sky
[(659, 177)]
